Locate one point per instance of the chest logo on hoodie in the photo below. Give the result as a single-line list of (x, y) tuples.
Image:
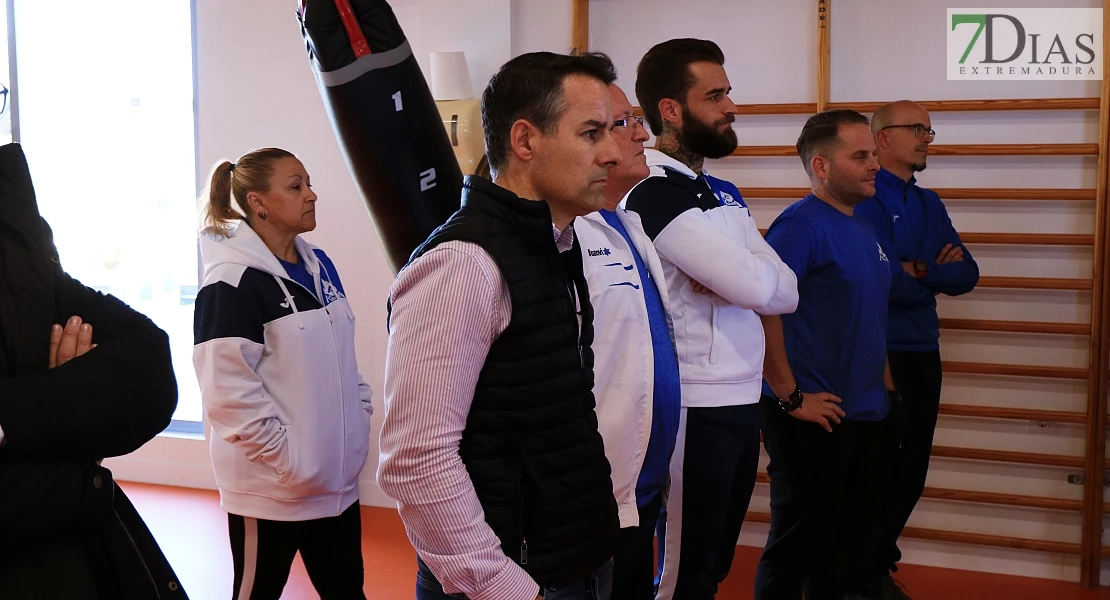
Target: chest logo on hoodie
[(727, 199), (331, 293), (601, 252)]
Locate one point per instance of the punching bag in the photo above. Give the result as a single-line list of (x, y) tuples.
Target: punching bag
[(383, 114)]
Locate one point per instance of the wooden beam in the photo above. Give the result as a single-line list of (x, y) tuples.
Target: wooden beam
[(580, 25), (997, 541), (1002, 499), (1020, 414), (1014, 150), (1016, 194), (984, 497), (792, 108), (1035, 283), (1022, 239), (1005, 456), (764, 151), (808, 108), (1095, 464), (954, 150), (961, 537), (824, 58), (1039, 194), (1032, 104), (1037, 239), (978, 368), (1016, 326)]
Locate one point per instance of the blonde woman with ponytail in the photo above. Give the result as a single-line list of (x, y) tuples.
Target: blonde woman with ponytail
[(275, 356)]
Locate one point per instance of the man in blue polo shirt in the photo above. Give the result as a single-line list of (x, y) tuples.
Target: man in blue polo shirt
[(827, 398), (914, 229)]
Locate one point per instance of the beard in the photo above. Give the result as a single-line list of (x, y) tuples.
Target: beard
[(704, 139), (919, 167)]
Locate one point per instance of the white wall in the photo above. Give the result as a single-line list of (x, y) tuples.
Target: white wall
[(255, 89)]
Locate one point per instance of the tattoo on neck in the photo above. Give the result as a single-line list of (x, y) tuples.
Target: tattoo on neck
[(669, 143)]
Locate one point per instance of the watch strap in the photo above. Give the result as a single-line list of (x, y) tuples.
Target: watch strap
[(793, 401)]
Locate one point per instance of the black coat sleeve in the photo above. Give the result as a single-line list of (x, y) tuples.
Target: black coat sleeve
[(46, 497), (108, 402)]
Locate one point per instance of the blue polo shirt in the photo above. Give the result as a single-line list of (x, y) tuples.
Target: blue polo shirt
[(836, 339), (912, 224)]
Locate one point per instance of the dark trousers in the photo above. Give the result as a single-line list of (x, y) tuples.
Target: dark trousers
[(595, 587), (825, 495), (719, 466), (917, 375), (634, 558), (331, 549)]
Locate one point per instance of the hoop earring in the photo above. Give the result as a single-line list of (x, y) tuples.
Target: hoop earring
[(262, 216)]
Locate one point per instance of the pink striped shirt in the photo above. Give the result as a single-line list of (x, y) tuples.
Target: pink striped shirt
[(448, 307)]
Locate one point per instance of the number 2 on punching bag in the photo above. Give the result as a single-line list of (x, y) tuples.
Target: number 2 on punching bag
[(385, 119)]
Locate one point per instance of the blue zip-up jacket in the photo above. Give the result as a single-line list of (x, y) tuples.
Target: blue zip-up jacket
[(912, 224)]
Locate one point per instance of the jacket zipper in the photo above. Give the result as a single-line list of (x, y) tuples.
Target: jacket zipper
[(520, 501), (578, 317), (342, 399), (142, 561)]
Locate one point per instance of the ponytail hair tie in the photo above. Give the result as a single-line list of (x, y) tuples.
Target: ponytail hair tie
[(232, 168)]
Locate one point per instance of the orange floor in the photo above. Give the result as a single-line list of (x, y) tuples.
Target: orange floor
[(192, 531)]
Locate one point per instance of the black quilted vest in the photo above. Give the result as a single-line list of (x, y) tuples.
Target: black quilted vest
[(531, 444)]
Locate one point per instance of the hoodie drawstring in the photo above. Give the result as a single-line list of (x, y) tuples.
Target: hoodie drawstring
[(292, 304)]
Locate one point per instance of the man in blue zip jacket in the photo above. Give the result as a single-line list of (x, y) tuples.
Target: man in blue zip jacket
[(913, 225)]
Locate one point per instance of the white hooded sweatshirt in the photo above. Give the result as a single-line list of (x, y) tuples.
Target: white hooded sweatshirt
[(288, 410)]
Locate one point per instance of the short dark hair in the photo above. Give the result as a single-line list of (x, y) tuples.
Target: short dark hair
[(822, 131), (530, 87), (664, 72)]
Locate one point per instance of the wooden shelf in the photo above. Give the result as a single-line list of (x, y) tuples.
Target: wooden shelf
[(1015, 370), (1016, 326), (1021, 458), (952, 150), (1035, 283), (1020, 414)]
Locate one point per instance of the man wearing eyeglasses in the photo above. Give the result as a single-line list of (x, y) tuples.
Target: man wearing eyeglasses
[(636, 380), (913, 225), (720, 276)]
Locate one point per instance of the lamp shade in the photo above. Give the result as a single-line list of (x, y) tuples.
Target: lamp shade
[(450, 77)]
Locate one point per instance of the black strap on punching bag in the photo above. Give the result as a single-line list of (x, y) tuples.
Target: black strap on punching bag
[(384, 116)]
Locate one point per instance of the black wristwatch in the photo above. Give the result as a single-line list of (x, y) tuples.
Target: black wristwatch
[(792, 402)]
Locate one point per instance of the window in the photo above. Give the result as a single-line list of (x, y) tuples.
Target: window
[(5, 82), (106, 118)]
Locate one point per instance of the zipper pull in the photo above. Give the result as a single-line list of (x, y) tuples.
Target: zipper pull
[(523, 551), (581, 357)]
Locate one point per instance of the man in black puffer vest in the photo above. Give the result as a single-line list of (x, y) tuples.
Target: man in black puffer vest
[(67, 532), (490, 443)]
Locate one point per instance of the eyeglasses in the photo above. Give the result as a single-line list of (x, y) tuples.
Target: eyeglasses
[(919, 130), (627, 121)]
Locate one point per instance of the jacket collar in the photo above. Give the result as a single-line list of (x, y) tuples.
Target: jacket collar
[(895, 181), (243, 246), (476, 187), (656, 158)]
